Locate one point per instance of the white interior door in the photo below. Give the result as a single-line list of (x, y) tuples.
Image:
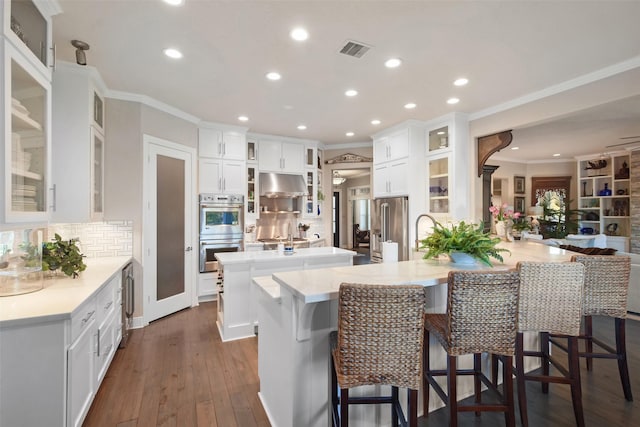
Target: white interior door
[(169, 204)]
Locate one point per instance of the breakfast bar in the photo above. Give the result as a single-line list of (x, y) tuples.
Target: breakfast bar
[(298, 309)]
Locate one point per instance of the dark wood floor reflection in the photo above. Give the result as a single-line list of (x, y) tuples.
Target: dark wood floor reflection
[(177, 372)]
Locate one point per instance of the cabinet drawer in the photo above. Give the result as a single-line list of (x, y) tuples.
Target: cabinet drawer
[(82, 318), (106, 299), (105, 347)]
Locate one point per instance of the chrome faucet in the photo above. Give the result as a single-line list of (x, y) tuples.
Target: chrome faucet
[(418, 222)]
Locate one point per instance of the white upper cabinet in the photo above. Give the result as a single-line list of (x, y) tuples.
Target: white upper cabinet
[(222, 176), (391, 147), (78, 144), (278, 156), (221, 144), (26, 110)]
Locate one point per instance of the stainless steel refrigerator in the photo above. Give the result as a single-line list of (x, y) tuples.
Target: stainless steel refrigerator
[(390, 222)]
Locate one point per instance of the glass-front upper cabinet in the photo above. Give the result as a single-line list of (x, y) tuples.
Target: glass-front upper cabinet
[(439, 185), (30, 26), (97, 174), (438, 140), (27, 136)]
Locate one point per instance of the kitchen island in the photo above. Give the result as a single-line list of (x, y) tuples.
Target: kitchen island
[(237, 299), (298, 309)]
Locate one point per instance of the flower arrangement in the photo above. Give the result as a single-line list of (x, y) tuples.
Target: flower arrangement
[(502, 213)]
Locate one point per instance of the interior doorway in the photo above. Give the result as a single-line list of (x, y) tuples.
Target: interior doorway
[(351, 202), (168, 256)]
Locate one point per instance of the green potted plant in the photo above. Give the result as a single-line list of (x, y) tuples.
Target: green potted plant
[(466, 238), (63, 255), (519, 226)]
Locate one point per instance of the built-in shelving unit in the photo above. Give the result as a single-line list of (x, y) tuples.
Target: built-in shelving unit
[(604, 188)]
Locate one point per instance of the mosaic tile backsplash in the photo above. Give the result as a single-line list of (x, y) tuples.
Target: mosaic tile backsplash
[(99, 239)]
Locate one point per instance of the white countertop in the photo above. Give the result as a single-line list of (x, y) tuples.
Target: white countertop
[(311, 286), (227, 258), (61, 295)]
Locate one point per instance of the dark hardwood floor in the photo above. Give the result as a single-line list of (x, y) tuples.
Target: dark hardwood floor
[(177, 372)]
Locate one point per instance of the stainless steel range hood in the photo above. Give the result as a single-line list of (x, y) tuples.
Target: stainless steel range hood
[(281, 185)]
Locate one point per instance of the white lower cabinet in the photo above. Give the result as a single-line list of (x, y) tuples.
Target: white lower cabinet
[(80, 378), (50, 371)]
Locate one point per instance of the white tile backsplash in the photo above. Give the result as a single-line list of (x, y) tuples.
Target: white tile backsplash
[(98, 239)]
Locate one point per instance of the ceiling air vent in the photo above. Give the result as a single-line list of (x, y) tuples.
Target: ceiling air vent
[(355, 49)]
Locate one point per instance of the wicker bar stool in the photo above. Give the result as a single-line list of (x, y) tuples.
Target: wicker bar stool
[(550, 302), (605, 294), (378, 342), (481, 317)]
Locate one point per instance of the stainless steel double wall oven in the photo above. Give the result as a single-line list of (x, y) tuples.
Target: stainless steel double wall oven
[(221, 227)]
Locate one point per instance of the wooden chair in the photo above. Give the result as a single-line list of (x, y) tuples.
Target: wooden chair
[(481, 317), (378, 342), (550, 302), (605, 294)]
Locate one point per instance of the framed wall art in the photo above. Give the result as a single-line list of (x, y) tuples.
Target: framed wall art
[(519, 184), (518, 204)]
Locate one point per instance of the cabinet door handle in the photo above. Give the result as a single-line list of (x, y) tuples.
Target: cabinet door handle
[(53, 198), (220, 183), (224, 183), (53, 49), (224, 148)]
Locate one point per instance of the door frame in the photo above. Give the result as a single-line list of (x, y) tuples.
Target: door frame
[(191, 263)]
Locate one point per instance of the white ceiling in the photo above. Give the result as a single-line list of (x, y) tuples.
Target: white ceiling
[(506, 49)]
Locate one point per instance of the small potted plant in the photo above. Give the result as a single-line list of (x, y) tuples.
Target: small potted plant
[(63, 255), (463, 238), (519, 226)]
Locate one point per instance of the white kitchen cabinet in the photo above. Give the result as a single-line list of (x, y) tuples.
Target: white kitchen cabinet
[(221, 144), (81, 380), (222, 176), (26, 110), (78, 144), (391, 178), (439, 179), (52, 366), (392, 147), (278, 156)]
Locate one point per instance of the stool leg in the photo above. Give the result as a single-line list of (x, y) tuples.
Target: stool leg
[(425, 370), (507, 383), (412, 407), (588, 332), (544, 349), (477, 371), (334, 393), (522, 389), (574, 376), (494, 369), (394, 406), (621, 350), (344, 407), (452, 390)]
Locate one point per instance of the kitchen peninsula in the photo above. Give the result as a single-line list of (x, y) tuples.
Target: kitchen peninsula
[(298, 309), (237, 299)]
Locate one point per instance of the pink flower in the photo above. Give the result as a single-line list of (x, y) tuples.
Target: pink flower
[(502, 213)]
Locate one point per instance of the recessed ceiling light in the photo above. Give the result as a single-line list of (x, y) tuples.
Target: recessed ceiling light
[(556, 155), (243, 118), (273, 75), (174, 2), (515, 148), (452, 101), (351, 92), (393, 63), (299, 34), (302, 127), (410, 106), (173, 53), (375, 122), (349, 134), (461, 81), (441, 132)]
